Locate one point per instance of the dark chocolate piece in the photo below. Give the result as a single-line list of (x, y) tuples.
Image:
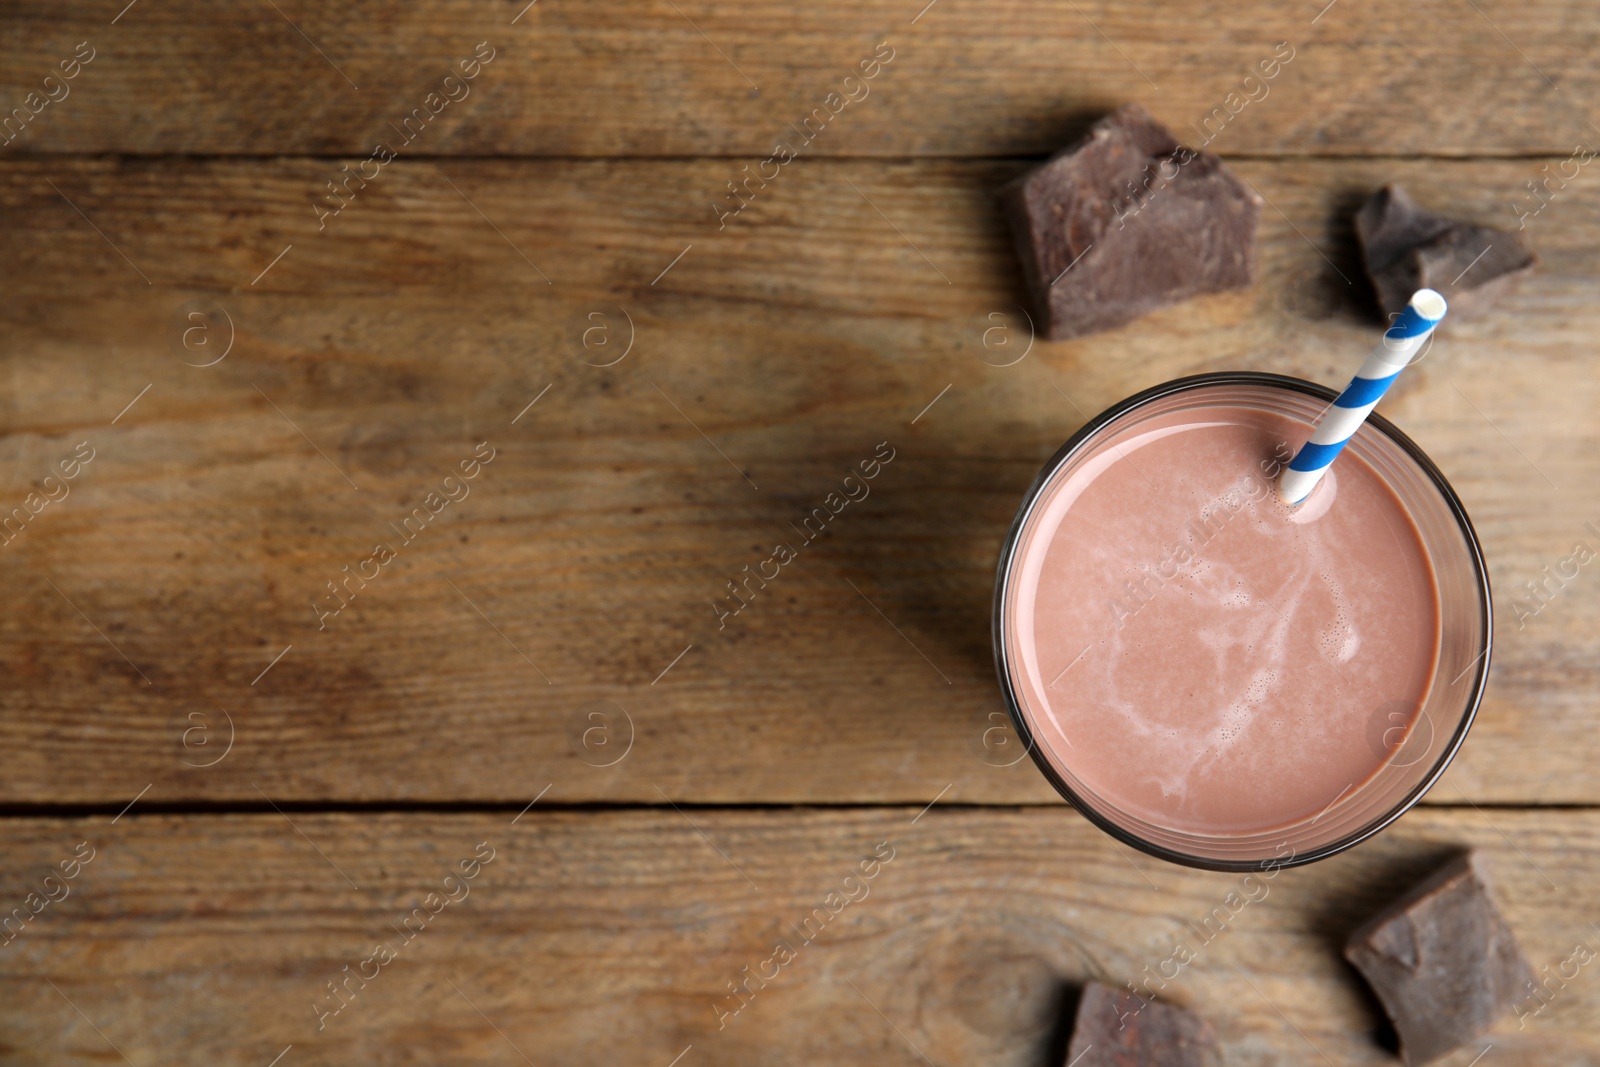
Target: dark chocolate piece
[(1122, 1029), (1127, 221), (1407, 248), (1442, 960)]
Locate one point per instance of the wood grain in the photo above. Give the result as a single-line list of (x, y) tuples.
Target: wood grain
[(727, 77), (271, 379), (613, 936), (771, 358)]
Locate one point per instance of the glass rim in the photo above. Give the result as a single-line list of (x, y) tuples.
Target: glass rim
[(1082, 438)]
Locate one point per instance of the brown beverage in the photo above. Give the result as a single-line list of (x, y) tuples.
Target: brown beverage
[(1194, 655)]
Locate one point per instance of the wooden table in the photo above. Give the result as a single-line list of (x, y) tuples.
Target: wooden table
[(648, 392)]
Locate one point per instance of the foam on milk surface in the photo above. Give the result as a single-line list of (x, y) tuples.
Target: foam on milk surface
[(1235, 647)]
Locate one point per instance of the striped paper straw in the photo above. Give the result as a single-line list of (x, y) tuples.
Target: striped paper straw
[(1400, 342)]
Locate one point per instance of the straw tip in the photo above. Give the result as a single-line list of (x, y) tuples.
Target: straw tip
[(1295, 485), (1429, 303)]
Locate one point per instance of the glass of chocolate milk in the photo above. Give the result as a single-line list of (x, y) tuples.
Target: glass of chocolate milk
[(1220, 679)]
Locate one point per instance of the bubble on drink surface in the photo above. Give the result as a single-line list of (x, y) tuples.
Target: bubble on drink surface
[(1339, 640), (1261, 683), (1244, 711)]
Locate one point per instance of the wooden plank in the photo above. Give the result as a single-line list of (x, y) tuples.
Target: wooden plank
[(722, 77), (206, 939), (768, 359)]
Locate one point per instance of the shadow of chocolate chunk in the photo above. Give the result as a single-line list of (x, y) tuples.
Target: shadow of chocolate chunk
[(1116, 1029), (1442, 960), (1407, 248), (1127, 221)]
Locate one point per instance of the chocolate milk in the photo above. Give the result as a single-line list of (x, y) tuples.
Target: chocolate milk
[(1200, 655)]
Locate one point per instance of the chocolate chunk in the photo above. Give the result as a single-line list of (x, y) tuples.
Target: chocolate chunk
[(1407, 248), (1127, 221), (1116, 1029), (1442, 961)]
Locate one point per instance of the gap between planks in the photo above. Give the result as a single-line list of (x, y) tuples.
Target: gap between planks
[(497, 807), (1004, 157)]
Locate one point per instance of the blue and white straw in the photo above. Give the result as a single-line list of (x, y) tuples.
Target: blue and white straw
[(1401, 342)]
